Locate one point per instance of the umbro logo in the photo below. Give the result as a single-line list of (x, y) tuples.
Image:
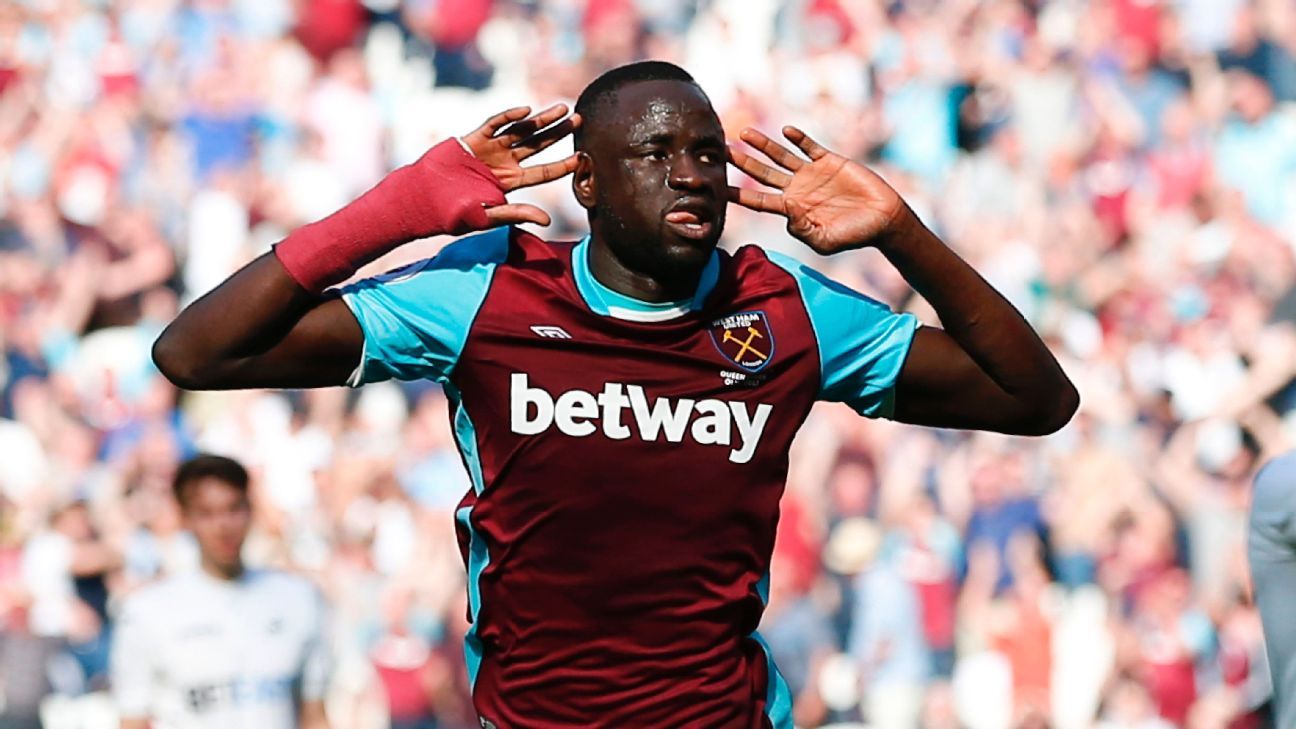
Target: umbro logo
[(550, 332)]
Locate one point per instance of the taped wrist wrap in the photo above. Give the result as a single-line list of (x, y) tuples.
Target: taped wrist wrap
[(442, 193)]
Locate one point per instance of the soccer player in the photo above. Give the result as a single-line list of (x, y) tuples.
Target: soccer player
[(1271, 549), (624, 404), (224, 646)]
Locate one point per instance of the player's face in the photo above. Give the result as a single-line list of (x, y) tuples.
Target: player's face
[(219, 516), (659, 187)]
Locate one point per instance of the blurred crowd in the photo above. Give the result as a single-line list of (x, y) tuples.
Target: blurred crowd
[(1123, 170)]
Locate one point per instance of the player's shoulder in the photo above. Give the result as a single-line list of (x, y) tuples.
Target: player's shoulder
[(475, 257), (466, 255), (529, 260), (755, 258), (289, 587), (814, 285), (1274, 490), (750, 256), (161, 596), (526, 246), (753, 265), (503, 246), (1278, 474), (281, 580)]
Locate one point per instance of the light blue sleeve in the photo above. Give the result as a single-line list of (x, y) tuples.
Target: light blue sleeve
[(416, 319), (862, 343)]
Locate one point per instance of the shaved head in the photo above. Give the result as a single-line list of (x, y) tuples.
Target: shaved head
[(598, 99)]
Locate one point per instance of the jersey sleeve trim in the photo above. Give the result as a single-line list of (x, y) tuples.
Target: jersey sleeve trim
[(416, 319), (862, 343)]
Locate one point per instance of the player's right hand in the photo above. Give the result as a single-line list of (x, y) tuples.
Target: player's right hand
[(508, 138)]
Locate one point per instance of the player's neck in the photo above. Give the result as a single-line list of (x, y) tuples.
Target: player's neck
[(611, 272), (225, 573)]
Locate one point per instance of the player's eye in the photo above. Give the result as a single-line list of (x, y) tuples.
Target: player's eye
[(655, 154), (709, 158)]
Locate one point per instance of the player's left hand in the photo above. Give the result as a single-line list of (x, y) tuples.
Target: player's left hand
[(831, 203)]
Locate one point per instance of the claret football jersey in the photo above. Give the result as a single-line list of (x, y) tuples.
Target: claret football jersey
[(627, 461)]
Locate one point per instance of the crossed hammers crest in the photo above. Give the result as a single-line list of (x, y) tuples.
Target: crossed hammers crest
[(746, 346)]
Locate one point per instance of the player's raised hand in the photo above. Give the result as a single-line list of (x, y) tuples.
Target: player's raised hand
[(831, 203), (508, 138)]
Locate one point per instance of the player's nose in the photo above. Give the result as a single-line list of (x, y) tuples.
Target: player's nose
[(686, 174)]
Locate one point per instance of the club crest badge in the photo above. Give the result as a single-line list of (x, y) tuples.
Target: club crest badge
[(744, 339)]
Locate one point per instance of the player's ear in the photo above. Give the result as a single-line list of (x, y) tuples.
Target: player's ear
[(583, 180)]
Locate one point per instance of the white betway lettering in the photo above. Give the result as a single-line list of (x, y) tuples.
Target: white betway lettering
[(749, 429), (521, 398), (651, 422), (533, 410)]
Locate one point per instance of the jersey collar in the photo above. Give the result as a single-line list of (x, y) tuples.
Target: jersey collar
[(603, 300), (247, 577)]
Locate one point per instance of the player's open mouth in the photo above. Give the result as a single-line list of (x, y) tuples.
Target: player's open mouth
[(690, 223)]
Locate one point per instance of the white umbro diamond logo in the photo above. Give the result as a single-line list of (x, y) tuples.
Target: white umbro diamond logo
[(550, 332)]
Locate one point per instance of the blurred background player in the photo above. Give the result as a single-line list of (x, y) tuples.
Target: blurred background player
[(223, 645), (1271, 546)]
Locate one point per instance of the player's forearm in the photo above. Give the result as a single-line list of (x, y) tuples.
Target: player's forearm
[(982, 322), (444, 192), (219, 341), (265, 326)]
